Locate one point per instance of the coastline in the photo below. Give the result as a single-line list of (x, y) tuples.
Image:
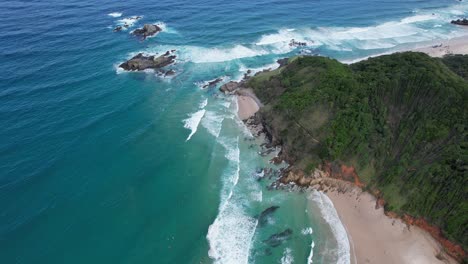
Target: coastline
[(376, 238), (441, 48), (374, 235)]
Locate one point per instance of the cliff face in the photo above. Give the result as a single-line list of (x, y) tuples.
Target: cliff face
[(397, 121)]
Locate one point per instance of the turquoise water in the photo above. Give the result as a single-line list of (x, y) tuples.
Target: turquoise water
[(95, 165)]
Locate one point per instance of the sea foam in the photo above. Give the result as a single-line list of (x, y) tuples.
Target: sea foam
[(194, 120), (230, 235), (115, 14), (329, 214), (287, 257)]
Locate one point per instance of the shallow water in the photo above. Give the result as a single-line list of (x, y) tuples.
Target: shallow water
[(99, 165)]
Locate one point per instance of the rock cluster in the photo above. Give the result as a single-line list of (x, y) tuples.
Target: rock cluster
[(461, 22), (141, 62), (148, 30)]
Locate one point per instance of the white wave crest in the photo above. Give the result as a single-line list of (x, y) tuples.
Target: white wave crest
[(311, 254), (330, 215), (193, 121), (115, 14), (287, 257), (230, 236), (307, 231)]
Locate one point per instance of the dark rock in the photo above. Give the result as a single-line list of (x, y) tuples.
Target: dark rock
[(147, 31), (169, 73), (212, 83), (283, 62), (294, 43), (141, 62), (461, 22), (277, 239), (117, 28), (263, 218), (229, 87)]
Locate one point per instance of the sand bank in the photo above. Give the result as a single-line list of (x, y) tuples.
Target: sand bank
[(377, 238)]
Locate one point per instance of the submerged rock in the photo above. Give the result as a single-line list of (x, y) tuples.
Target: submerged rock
[(118, 28), (263, 218), (461, 22), (212, 83), (277, 239), (141, 62), (148, 30)]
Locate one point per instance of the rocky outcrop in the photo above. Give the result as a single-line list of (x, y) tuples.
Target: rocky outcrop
[(283, 62), (148, 30), (229, 87), (461, 22), (141, 62)]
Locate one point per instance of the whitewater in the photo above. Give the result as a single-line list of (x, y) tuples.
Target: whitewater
[(102, 165)]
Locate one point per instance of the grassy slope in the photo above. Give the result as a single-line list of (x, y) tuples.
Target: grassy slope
[(400, 119)]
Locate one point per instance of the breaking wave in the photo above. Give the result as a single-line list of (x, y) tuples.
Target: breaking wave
[(194, 120), (329, 214), (287, 257)]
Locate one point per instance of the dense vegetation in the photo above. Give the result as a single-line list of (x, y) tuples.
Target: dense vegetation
[(400, 120)]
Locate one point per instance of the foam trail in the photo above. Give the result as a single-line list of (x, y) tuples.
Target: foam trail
[(230, 236), (115, 14), (204, 103), (330, 215), (213, 122), (193, 121)]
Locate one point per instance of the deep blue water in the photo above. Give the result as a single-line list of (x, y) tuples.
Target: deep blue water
[(94, 163)]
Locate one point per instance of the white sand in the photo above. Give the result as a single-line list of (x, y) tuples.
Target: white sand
[(377, 238), (247, 106)]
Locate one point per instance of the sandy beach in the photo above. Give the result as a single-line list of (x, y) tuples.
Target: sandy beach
[(377, 238), (248, 103), (441, 48)]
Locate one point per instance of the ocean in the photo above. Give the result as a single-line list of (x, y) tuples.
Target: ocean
[(98, 165)]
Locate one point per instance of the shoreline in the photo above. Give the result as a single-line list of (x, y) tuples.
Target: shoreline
[(374, 235), (376, 238)]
